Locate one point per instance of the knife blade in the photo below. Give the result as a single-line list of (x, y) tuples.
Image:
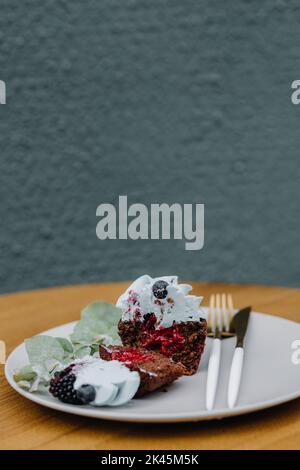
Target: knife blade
[(239, 324)]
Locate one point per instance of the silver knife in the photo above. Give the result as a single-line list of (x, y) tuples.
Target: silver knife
[(239, 324)]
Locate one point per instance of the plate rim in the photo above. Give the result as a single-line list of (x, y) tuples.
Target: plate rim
[(111, 415)]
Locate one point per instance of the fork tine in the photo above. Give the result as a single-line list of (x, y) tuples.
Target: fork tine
[(225, 313), (218, 313), (211, 314), (229, 315)]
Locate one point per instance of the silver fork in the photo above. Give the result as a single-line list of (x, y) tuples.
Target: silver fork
[(220, 314)]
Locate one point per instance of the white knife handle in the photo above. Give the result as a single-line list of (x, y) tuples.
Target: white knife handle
[(235, 376), (213, 373)]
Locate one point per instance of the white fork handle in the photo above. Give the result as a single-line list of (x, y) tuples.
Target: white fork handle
[(213, 373), (235, 376)]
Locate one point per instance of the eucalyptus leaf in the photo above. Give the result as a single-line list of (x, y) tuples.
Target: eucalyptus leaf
[(52, 365), (98, 324), (66, 344), (42, 348), (98, 320), (82, 352), (82, 333), (24, 384), (26, 374)]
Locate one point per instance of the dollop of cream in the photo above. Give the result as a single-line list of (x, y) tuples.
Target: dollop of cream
[(178, 306), (114, 383)]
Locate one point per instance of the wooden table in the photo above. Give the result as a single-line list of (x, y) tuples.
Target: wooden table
[(25, 425)]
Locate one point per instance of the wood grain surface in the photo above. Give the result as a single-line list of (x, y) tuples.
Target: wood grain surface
[(25, 425)]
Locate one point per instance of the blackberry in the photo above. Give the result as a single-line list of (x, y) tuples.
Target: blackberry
[(62, 387), (159, 289)]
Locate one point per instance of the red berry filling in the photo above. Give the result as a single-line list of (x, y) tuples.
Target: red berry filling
[(166, 340), (131, 355)]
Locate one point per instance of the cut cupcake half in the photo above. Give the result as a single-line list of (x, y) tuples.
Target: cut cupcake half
[(159, 315), (155, 369)]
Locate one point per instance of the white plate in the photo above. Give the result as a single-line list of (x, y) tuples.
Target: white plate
[(269, 378)]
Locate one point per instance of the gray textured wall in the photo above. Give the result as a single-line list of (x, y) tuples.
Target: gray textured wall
[(175, 101)]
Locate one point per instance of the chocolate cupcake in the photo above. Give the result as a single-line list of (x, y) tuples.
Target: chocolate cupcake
[(159, 315)]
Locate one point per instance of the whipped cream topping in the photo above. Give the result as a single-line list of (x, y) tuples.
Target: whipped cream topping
[(114, 383), (175, 305)]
